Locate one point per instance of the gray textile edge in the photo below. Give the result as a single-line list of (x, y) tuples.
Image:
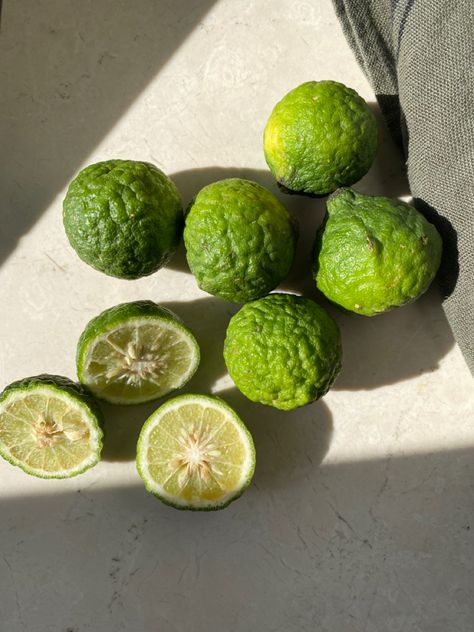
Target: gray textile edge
[(419, 57)]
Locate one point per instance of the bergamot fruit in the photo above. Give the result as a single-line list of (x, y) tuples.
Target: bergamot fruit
[(320, 136), (240, 240), (136, 352), (123, 217), (49, 427), (283, 351), (194, 452), (374, 253)]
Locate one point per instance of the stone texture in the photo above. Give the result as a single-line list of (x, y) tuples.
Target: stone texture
[(360, 515)]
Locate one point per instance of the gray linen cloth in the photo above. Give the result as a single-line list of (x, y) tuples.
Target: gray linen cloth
[(419, 57)]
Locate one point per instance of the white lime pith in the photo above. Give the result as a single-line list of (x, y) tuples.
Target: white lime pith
[(137, 359), (48, 433), (195, 453)]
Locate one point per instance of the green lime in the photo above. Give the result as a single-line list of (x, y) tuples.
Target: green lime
[(123, 217), (320, 136), (240, 240), (283, 351), (49, 427), (136, 352), (194, 452), (374, 253)]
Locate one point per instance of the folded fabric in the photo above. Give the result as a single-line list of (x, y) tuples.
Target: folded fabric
[(419, 57)]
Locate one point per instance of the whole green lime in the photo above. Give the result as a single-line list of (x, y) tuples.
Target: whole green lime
[(240, 240), (283, 351), (374, 253), (320, 136), (123, 217)]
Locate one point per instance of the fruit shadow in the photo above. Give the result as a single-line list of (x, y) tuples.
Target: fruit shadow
[(290, 445), (389, 348), (208, 318)]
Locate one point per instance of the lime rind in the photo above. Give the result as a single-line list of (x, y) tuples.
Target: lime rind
[(374, 253), (174, 501), (123, 217), (135, 315), (240, 240), (75, 398), (320, 136), (283, 351)]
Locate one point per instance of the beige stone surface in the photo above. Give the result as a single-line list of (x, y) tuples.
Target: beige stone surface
[(360, 515)]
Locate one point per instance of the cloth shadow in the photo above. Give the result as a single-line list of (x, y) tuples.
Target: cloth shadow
[(387, 176), (68, 72), (449, 267), (344, 546)]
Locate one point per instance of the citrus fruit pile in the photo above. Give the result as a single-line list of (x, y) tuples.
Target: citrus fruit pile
[(125, 218)]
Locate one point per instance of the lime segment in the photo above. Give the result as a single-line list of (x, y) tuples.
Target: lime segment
[(142, 353), (48, 430), (194, 452)]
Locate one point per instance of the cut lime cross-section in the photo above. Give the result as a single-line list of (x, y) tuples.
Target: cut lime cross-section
[(194, 452), (136, 352), (49, 427)]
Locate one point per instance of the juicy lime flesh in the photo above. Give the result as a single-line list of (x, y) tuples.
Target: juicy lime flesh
[(45, 432), (139, 360), (197, 455)]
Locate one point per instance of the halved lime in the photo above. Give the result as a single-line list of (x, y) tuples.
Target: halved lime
[(136, 352), (194, 452), (49, 427)]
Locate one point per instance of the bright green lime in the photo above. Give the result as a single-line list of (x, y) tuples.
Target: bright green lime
[(136, 352), (283, 351), (320, 136), (49, 427), (374, 253), (240, 240), (123, 217), (194, 452)]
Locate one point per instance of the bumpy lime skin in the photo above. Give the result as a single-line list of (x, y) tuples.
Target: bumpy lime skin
[(320, 136), (117, 315), (122, 217), (240, 240), (62, 385), (283, 350), (374, 253)]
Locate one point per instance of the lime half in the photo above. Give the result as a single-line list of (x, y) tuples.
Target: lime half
[(136, 352), (49, 427), (194, 452)]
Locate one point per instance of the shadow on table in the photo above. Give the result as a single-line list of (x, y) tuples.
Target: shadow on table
[(347, 545), (68, 72)]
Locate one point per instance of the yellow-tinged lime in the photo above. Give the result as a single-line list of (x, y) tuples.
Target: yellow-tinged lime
[(194, 452)]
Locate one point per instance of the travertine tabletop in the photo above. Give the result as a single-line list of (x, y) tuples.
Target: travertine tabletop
[(360, 515)]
